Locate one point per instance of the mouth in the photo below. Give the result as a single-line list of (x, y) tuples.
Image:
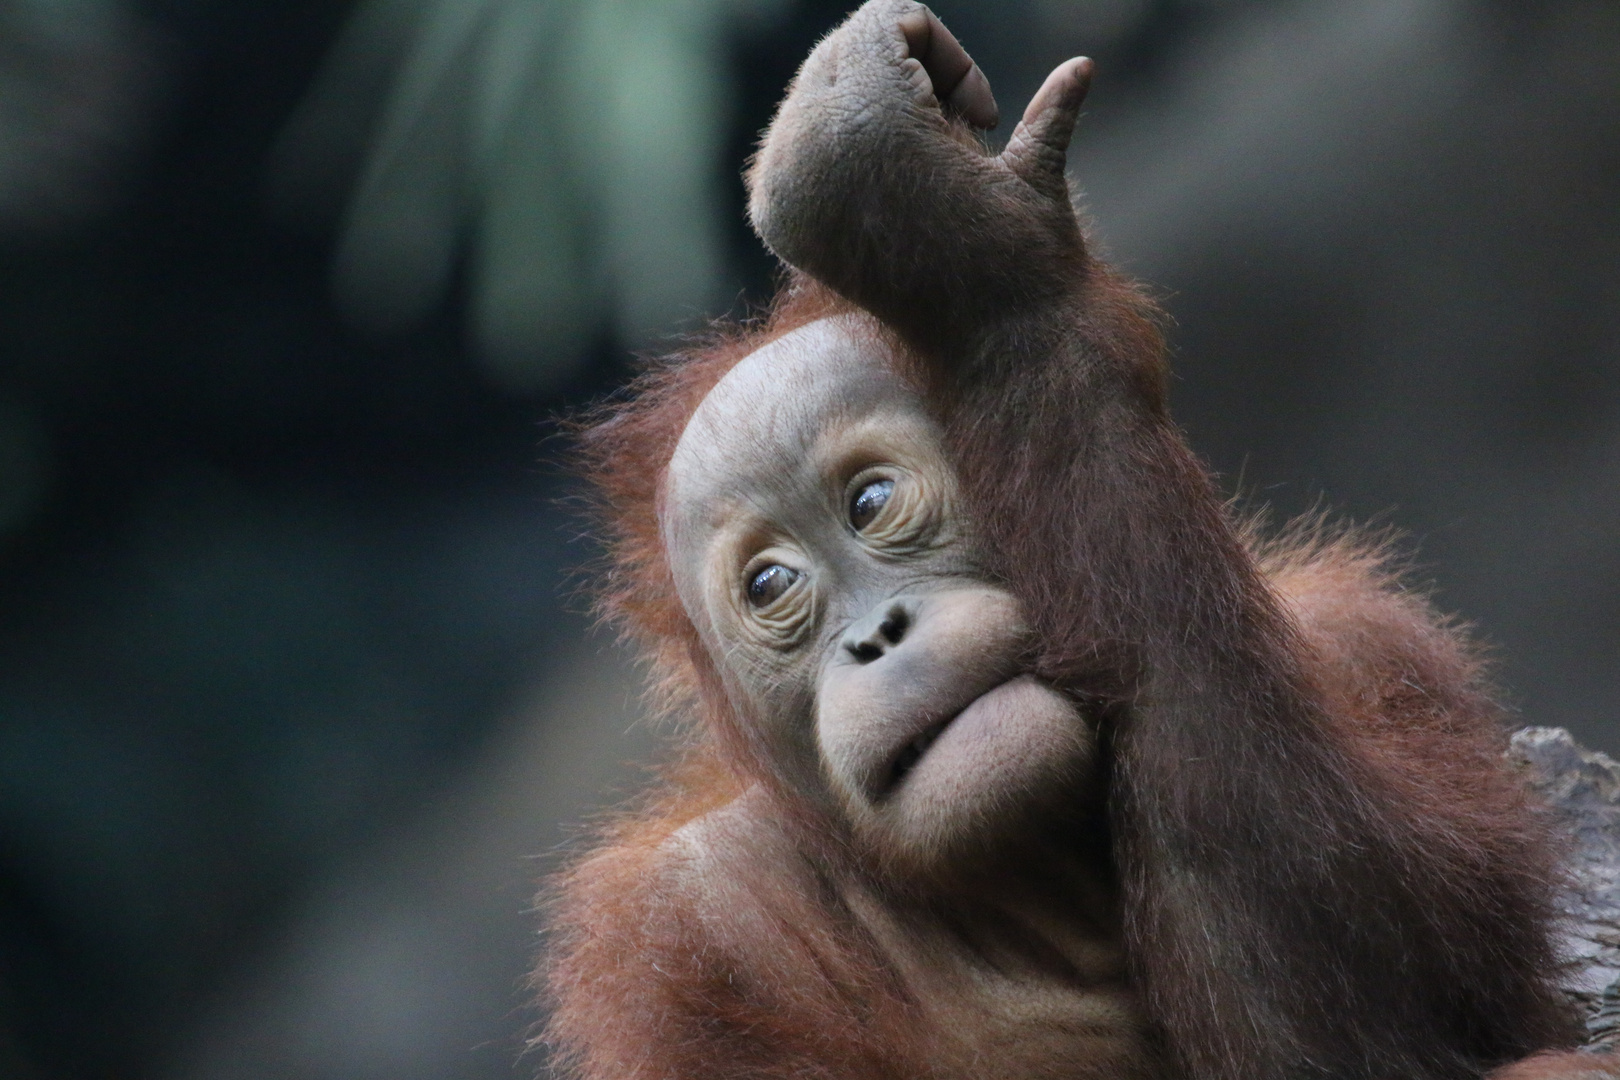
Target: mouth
[(912, 752), (907, 757), (995, 730)]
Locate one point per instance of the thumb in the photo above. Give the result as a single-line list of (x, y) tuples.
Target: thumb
[(1037, 151)]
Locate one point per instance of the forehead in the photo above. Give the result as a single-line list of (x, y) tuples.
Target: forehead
[(762, 421)]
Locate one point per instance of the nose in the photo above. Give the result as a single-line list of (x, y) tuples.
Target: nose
[(880, 630)]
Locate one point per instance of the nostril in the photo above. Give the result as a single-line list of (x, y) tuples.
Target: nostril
[(895, 625), (864, 651), (867, 643)]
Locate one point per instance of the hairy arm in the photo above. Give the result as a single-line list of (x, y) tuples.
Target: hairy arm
[(1290, 911)]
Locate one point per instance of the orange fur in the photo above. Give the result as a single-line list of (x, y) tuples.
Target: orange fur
[(1317, 865), (1569, 1065)]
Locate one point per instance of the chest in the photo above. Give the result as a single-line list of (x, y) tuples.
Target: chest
[(1022, 986)]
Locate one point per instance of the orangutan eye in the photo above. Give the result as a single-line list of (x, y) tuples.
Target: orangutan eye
[(868, 502), (765, 587)]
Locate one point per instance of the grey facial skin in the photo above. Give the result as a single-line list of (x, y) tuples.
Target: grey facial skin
[(811, 522)]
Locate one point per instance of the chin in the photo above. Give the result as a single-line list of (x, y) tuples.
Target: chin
[(1014, 761)]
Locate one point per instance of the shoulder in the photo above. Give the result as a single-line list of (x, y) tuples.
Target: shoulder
[(742, 832), (678, 874), (1403, 682), (1347, 593), (672, 952)]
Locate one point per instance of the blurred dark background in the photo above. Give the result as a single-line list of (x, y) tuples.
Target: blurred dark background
[(293, 686)]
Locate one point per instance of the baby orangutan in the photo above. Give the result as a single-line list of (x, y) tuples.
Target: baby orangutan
[(1010, 753)]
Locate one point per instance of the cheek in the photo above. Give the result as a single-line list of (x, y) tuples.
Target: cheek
[(775, 703)]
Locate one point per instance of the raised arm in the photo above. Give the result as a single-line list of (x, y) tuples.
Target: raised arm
[(1293, 908)]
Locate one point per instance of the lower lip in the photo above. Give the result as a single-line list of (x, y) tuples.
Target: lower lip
[(982, 715), (1000, 731)]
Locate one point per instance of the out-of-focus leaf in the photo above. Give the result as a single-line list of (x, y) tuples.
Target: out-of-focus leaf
[(564, 150)]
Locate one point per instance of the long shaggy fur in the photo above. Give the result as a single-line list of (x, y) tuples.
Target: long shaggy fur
[(1324, 869), (1384, 914)]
